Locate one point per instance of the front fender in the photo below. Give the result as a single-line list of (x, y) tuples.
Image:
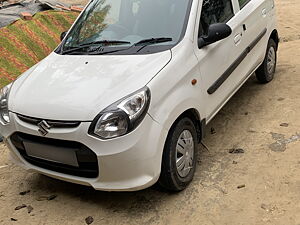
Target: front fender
[(171, 109), (172, 92)]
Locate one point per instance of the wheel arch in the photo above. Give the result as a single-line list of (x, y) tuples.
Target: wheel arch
[(194, 115)]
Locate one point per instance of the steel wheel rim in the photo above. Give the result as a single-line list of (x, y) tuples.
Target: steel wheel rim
[(184, 153), (271, 60)]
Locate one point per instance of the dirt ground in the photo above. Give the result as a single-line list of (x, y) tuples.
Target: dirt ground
[(261, 119)]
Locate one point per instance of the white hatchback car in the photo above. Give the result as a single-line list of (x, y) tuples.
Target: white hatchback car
[(122, 103)]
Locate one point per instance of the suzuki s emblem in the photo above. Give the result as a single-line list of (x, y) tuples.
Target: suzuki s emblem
[(43, 128)]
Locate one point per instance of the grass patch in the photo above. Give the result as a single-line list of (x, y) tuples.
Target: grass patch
[(45, 37), (27, 40), (37, 41), (45, 20), (12, 70), (9, 46), (4, 81)]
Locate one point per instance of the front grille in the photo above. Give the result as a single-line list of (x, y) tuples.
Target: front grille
[(87, 159), (52, 123)]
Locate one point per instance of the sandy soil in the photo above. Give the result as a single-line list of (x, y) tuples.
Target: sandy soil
[(261, 119)]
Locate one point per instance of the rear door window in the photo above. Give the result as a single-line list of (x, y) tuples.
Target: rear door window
[(215, 11)]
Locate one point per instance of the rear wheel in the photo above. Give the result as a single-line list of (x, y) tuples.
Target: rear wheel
[(265, 73), (179, 157)]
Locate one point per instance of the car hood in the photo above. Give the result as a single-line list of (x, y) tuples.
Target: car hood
[(72, 87)]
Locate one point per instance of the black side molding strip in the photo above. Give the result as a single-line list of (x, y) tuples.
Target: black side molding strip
[(235, 64), (228, 72), (259, 37)]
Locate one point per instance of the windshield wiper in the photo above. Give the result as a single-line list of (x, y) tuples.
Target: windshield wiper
[(151, 41), (86, 45), (143, 43)]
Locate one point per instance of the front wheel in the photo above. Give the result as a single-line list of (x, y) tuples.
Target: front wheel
[(265, 73), (179, 157)]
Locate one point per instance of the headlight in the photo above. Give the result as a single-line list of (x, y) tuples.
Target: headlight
[(121, 117), (4, 113)]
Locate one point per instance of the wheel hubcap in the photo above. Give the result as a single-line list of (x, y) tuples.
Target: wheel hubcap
[(271, 60), (184, 153)]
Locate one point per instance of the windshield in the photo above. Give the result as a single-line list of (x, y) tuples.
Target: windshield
[(124, 23)]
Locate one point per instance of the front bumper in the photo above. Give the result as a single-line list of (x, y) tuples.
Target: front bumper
[(127, 163)]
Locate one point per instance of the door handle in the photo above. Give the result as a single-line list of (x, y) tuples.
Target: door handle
[(264, 12), (237, 38)]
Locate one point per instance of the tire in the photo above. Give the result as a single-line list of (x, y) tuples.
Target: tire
[(182, 138), (265, 73)]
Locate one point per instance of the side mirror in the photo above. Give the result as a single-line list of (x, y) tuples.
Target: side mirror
[(63, 34), (216, 32)]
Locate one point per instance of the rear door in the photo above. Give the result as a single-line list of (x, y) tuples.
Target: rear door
[(253, 16)]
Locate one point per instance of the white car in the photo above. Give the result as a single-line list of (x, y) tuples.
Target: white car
[(123, 102)]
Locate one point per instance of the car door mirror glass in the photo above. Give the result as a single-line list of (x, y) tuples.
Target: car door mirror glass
[(216, 32)]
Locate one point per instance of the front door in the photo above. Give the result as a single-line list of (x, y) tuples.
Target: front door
[(221, 63)]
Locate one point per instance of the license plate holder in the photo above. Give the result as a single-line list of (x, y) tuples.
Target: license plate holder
[(57, 154)]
